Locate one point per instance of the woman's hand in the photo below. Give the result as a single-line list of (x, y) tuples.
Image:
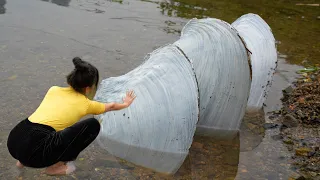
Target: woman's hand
[(130, 96)]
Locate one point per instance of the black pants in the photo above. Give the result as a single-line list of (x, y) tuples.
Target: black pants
[(36, 145)]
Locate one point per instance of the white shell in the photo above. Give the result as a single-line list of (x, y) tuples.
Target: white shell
[(221, 65), (260, 41), (157, 130)]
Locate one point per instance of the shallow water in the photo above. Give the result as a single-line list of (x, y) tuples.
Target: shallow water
[(37, 42), (295, 24)]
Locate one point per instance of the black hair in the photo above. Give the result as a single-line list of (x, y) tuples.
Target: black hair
[(84, 75)]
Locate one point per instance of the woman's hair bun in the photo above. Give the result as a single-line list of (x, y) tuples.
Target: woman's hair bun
[(83, 75), (79, 64)]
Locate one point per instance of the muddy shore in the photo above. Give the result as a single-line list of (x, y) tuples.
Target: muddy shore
[(299, 123)]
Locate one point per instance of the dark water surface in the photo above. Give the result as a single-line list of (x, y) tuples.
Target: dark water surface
[(295, 23), (38, 39)]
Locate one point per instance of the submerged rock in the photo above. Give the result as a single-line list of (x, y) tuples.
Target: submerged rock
[(290, 121), (277, 137), (288, 90), (197, 145)]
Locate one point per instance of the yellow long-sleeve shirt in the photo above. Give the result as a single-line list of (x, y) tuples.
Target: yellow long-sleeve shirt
[(63, 106)]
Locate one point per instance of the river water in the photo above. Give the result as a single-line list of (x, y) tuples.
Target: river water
[(38, 40)]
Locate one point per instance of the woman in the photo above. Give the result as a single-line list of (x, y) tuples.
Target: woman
[(52, 137)]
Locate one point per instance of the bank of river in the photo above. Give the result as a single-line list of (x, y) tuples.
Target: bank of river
[(300, 122)]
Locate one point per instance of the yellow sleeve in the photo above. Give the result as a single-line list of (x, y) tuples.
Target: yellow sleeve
[(95, 107)]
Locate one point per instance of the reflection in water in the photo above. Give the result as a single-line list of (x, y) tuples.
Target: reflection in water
[(208, 158), (211, 159), (59, 2), (2, 8), (284, 17), (252, 131)]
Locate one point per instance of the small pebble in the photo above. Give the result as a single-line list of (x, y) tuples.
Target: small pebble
[(244, 170), (290, 121), (270, 125), (303, 151), (197, 145), (276, 137)]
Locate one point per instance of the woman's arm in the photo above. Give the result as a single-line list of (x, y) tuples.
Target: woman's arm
[(115, 106), (130, 96)]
